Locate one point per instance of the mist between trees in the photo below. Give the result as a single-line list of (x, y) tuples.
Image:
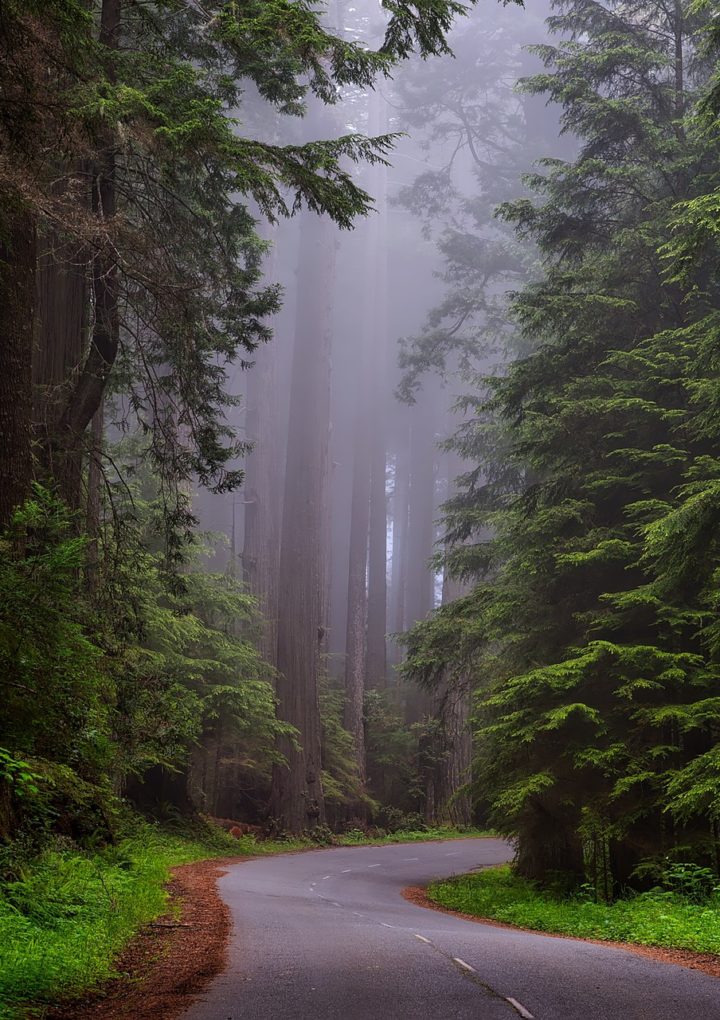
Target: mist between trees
[(357, 399)]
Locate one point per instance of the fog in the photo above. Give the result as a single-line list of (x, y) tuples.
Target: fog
[(337, 530)]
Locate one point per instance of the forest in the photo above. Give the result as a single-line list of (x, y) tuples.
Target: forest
[(360, 435)]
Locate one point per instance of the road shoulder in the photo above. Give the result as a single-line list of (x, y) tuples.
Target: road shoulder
[(171, 960), (705, 962)]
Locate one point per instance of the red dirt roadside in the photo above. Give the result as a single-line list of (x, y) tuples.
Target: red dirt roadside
[(172, 959), (705, 962)]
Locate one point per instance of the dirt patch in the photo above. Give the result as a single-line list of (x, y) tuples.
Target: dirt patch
[(706, 962), (171, 960)]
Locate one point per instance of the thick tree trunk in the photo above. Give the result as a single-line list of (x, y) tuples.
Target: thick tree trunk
[(377, 565), (453, 805), (452, 802), (94, 498), (420, 580), (17, 315), (419, 599), (398, 577), (92, 380), (355, 644), (262, 495), (297, 796), (548, 846), (62, 320), (376, 298)]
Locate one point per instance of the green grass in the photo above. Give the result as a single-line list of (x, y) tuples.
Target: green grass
[(358, 838), (66, 920), (654, 918)]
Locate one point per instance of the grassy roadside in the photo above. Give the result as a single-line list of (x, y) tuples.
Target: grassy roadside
[(70, 914), (64, 922), (358, 838), (656, 918)]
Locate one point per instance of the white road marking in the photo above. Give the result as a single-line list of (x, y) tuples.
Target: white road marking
[(461, 963), (411, 858), (325, 878), (524, 1013), (334, 903), (346, 871), (385, 925), (455, 853), (422, 939), (373, 865)]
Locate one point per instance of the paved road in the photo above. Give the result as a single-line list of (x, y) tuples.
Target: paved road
[(327, 936)]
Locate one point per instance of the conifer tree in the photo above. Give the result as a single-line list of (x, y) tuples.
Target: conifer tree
[(142, 171), (597, 671)]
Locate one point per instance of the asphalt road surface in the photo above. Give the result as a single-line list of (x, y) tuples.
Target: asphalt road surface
[(327, 935)]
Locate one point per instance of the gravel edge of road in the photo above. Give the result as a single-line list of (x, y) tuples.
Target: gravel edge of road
[(171, 960), (705, 962)]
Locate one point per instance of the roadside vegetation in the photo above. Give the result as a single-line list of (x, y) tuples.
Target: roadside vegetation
[(66, 914), (681, 913), (356, 837)]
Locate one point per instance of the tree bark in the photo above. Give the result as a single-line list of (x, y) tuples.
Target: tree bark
[(62, 320), (398, 577), (296, 802), (17, 316), (420, 579), (92, 380), (377, 562), (419, 599), (548, 846), (262, 495), (452, 803), (376, 666), (94, 498), (355, 645)]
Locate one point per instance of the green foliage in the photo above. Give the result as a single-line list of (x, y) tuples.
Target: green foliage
[(63, 922), (165, 110), (100, 689), (393, 767), (405, 834), (656, 918), (342, 786), (591, 628), (18, 775), (52, 675)]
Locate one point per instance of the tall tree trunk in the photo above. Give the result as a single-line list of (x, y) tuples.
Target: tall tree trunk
[(376, 666), (262, 495), (297, 796), (419, 599), (451, 803), (62, 319), (377, 563), (17, 316), (453, 701), (88, 391), (94, 498), (420, 580), (355, 644), (398, 577)]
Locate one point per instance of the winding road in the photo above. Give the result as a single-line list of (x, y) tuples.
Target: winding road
[(327, 936)]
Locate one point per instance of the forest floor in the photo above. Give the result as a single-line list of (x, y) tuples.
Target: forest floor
[(665, 926)]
